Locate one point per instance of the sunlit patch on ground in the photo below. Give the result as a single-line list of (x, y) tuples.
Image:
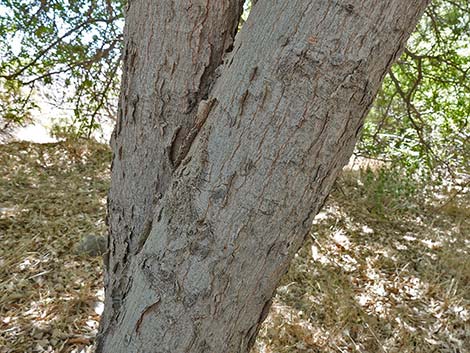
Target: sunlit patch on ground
[(384, 269), (380, 273)]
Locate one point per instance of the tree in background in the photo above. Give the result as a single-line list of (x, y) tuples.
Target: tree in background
[(420, 119), (71, 48)]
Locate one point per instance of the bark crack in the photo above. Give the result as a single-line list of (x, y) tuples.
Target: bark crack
[(147, 310), (203, 111)]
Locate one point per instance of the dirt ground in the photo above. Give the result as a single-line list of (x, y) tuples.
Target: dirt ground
[(386, 267)]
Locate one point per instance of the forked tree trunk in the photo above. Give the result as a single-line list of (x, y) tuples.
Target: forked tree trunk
[(220, 163)]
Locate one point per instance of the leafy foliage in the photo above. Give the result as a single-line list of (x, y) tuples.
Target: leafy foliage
[(68, 46), (14, 107), (420, 120)]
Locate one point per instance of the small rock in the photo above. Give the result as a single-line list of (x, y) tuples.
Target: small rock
[(91, 245)]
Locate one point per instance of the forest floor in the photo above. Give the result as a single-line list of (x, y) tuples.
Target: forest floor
[(385, 269)]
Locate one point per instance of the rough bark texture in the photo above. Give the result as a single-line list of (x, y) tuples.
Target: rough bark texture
[(172, 50), (216, 180)]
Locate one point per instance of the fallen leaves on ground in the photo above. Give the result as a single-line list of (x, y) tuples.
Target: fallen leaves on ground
[(382, 271)]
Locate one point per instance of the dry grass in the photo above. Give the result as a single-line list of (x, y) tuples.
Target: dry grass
[(382, 272), (50, 196)]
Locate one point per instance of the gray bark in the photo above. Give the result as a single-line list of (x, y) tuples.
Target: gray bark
[(217, 174), (171, 54)]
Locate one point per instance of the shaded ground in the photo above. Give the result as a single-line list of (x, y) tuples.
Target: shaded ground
[(383, 271), (50, 196)]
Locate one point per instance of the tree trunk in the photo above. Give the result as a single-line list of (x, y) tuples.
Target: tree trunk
[(220, 165)]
